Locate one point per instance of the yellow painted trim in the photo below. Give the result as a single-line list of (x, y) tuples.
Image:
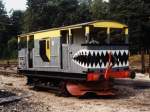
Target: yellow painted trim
[(18, 39), (42, 35), (48, 52), (126, 31), (108, 31), (109, 24), (87, 30), (70, 32)]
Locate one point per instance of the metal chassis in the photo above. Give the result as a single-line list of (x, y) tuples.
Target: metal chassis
[(55, 75)]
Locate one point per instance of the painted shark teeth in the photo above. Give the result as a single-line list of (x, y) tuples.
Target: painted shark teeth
[(100, 58)]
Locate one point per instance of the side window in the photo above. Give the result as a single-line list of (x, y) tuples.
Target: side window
[(117, 36), (98, 35), (23, 43)]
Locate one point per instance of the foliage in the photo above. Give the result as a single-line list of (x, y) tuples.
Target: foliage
[(16, 22), (99, 9), (136, 14), (44, 14), (4, 28), (12, 47), (10, 27)]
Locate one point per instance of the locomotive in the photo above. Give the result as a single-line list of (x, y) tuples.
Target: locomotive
[(76, 59)]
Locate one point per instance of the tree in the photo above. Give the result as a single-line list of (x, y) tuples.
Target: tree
[(66, 11), (83, 13), (99, 9), (135, 14), (38, 15), (4, 29), (16, 22), (43, 14)]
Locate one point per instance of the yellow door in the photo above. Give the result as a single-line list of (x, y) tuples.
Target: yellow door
[(48, 52)]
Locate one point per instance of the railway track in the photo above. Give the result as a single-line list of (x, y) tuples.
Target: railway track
[(137, 83), (9, 69), (126, 82)]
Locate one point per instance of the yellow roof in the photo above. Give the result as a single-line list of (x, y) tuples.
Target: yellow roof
[(97, 23)]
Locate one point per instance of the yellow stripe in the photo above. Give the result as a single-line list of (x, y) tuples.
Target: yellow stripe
[(41, 35), (109, 24)]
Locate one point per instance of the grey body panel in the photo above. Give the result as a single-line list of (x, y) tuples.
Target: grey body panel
[(22, 58), (55, 59), (68, 51)]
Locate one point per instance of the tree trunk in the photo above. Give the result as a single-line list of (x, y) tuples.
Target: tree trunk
[(142, 60), (149, 62)]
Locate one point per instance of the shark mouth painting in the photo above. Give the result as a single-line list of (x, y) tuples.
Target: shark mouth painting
[(100, 58)]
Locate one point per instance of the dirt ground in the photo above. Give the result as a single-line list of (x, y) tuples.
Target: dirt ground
[(129, 99)]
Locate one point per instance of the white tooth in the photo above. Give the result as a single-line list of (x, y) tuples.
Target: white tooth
[(77, 53), (102, 66), (104, 52), (91, 52), (82, 65), (74, 56), (118, 60), (117, 51), (80, 53), (83, 51), (96, 52), (126, 51), (94, 66), (122, 51), (89, 66), (97, 66), (123, 64), (115, 65), (100, 52), (113, 52), (86, 65), (120, 65), (87, 52)]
